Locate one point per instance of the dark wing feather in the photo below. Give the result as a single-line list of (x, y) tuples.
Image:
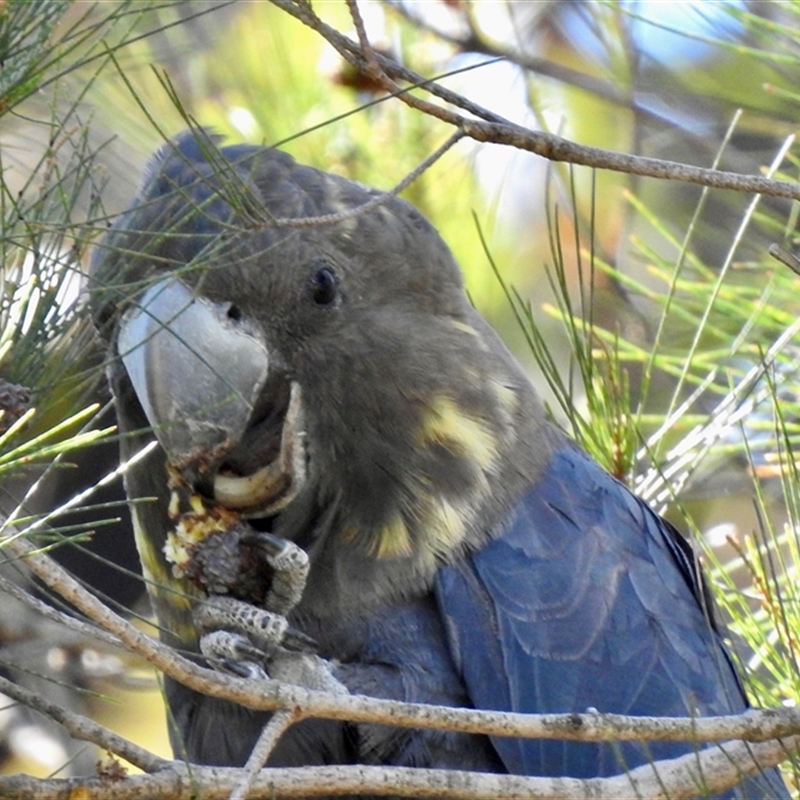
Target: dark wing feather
[(587, 599)]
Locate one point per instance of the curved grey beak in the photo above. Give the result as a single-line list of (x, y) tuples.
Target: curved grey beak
[(196, 370)]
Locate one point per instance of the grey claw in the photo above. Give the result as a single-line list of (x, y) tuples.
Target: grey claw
[(228, 614), (299, 642), (281, 554), (231, 628), (247, 669), (271, 545), (290, 564), (242, 669), (225, 645)]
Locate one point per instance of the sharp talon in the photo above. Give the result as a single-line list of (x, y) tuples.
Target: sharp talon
[(242, 669), (272, 545), (225, 645), (297, 641), (251, 652)]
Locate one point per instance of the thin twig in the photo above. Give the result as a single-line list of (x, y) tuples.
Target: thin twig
[(378, 200), (490, 128), (785, 257), (67, 620), (80, 727), (351, 52), (280, 722), (477, 42), (753, 725), (372, 64)]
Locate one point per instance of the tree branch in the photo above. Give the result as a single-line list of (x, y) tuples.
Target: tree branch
[(82, 728), (280, 722), (490, 128), (754, 725), (713, 770)]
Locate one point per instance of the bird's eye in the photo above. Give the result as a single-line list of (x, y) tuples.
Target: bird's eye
[(104, 314), (324, 286), (233, 312)]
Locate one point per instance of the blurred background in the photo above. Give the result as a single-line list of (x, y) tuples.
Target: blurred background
[(648, 312)]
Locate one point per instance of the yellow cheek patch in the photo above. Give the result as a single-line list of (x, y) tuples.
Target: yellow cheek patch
[(506, 396), (507, 401), (464, 328), (458, 431), (446, 527), (439, 527), (394, 539), (424, 523)]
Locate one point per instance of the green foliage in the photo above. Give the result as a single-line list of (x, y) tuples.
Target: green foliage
[(675, 361), (284, 89), (51, 192), (714, 388)]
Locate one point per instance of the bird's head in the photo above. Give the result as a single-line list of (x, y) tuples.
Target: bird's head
[(329, 378)]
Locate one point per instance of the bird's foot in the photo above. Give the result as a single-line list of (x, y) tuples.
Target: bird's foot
[(243, 640), (290, 565), (257, 641), (229, 626)]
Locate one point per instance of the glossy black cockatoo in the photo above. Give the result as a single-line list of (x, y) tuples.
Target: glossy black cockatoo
[(357, 487)]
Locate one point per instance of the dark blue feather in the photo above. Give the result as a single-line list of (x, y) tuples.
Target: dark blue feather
[(587, 599)]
